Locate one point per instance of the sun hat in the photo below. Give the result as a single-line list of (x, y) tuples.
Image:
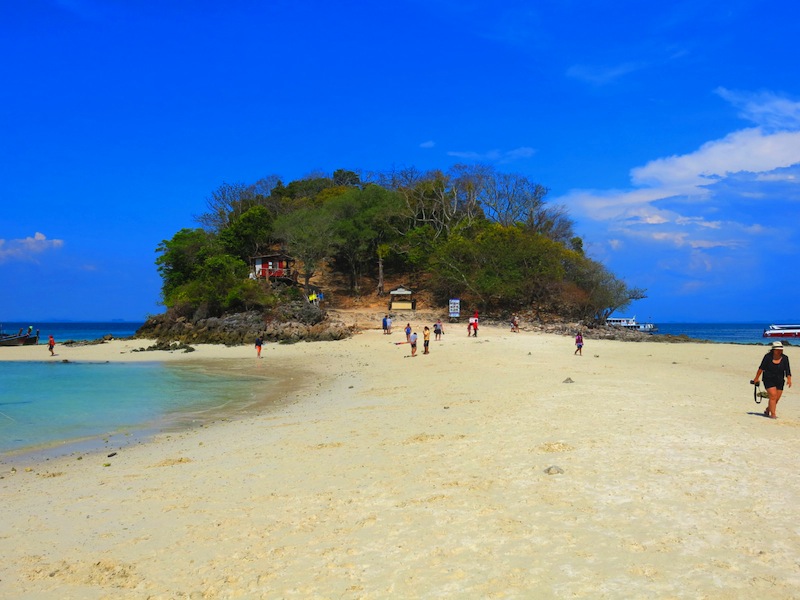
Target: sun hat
[(777, 346)]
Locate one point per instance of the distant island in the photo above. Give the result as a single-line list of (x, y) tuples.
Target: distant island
[(474, 233)]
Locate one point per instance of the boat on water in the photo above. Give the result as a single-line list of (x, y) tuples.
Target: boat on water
[(22, 338), (632, 324), (782, 331)]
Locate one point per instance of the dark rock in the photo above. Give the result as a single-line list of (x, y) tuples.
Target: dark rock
[(289, 323)]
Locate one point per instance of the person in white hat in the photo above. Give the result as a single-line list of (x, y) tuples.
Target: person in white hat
[(775, 368)]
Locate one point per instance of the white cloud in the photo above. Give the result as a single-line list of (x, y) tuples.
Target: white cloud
[(765, 109), (428, 144), (711, 197), (713, 209), (602, 75), (27, 248), (496, 156), (752, 150), (778, 177)]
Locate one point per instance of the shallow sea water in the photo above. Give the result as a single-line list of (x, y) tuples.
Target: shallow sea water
[(46, 403)]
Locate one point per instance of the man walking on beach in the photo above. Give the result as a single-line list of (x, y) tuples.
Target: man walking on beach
[(51, 344), (259, 342), (413, 341)]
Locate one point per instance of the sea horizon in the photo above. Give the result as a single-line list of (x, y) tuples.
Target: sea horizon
[(78, 331), (734, 332)]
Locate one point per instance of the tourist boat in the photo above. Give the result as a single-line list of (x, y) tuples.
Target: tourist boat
[(19, 339), (782, 331), (632, 324)]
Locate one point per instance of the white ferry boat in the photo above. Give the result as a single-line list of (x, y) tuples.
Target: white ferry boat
[(631, 323), (782, 331)]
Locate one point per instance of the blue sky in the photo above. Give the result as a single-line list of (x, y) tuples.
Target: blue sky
[(670, 131)]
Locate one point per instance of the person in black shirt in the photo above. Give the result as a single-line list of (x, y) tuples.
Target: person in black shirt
[(775, 367)]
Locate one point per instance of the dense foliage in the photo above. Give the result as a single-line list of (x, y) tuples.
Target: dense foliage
[(486, 237)]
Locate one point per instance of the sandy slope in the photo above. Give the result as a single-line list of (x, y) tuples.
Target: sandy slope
[(392, 477)]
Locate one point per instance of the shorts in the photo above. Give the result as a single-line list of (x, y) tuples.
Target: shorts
[(579, 345), (413, 346), (774, 383), (425, 344)]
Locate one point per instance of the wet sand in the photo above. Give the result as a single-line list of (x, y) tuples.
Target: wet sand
[(427, 477)]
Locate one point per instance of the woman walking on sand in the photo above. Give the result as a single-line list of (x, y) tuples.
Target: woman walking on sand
[(408, 332), (775, 367), (579, 344)]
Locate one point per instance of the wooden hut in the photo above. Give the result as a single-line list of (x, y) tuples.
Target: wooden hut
[(402, 299), (274, 266)]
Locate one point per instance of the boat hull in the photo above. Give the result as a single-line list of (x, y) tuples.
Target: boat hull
[(782, 331), (631, 324), (19, 340)]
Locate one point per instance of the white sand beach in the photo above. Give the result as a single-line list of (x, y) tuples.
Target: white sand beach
[(385, 476)]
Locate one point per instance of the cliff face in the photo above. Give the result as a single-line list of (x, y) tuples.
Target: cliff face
[(290, 323)]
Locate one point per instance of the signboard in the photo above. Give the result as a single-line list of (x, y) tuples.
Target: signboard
[(455, 308)]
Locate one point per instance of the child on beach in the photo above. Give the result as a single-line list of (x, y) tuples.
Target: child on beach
[(50, 345), (438, 330), (413, 341), (515, 324), (408, 332), (384, 324), (426, 339)]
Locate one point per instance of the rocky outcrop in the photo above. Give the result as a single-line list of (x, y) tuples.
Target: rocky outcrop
[(289, 323)]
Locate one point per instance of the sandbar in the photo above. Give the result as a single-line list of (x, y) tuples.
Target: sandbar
[(501, 466)]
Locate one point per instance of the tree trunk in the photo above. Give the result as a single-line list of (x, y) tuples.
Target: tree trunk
[(380, 276)]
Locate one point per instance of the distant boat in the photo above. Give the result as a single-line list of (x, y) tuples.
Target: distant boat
[(782, 331), (19, 339), (630, 323)]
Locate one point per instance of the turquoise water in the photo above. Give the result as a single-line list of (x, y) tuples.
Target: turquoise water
[(49, 403)]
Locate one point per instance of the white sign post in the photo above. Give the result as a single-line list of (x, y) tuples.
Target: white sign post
[(455, 308)]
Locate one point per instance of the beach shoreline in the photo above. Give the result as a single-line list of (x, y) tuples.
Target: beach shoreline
[(223, 363), (392, 476)]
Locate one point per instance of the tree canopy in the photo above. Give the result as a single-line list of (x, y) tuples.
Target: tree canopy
[(472, 232)]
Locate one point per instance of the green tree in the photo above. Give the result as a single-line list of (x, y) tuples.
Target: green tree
[(219, 283), (604, 292), (500, 266), (249, 234), (366, 223), (181, 259), (309, 236), (343, 177)]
